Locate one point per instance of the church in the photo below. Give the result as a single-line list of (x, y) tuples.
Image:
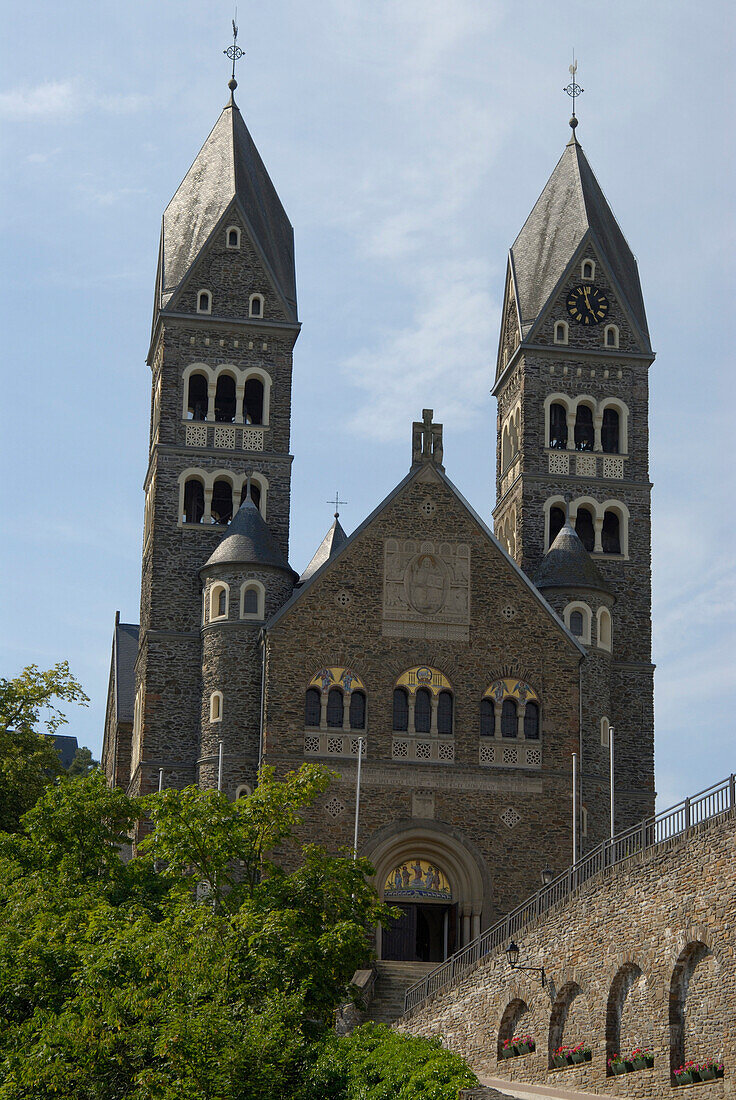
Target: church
[(467, 676)]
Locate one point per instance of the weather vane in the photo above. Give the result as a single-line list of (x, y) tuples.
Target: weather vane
[(235, 53), (336, 503), (573, 90)]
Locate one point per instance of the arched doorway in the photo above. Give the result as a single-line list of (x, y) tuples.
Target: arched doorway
[(452, 900), (427, 928)]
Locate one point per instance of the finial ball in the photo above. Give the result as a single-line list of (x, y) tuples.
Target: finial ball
[(573, 123), (232, 84)]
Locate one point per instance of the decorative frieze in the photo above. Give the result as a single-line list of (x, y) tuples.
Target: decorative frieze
[(252, 439), (613, 466), (510, 754), (225, 438), (196, 435), (585, 465), (438, 749), (332, 744), (559, 463), (426, 589)]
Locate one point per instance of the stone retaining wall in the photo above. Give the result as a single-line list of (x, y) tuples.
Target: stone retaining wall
[(643, 955)]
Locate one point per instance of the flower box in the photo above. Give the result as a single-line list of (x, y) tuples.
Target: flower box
[(642, 1061), (684, 1078), (524, 1048), (507, 1052), (560, 1061), (707, 1073), (618, 1067), (577, 1056)]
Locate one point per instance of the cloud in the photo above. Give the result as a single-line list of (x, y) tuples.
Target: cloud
[(56, 99), (62, 100), (440, 359)]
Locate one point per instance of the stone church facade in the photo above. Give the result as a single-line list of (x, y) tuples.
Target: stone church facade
[(464, 668)]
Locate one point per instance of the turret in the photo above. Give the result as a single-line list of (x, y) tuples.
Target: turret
[(244, 581)]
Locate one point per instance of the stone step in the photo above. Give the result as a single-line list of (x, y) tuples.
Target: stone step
[(526, 1091), (392, 981)]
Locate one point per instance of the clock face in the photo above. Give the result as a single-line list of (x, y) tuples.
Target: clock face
[(587, 305)]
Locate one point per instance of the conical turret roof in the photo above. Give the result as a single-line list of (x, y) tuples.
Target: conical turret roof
[(571, 205), (567, 564), (247, 541), (330, 544), (227, 167)]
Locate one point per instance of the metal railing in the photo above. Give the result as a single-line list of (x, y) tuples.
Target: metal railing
[(705, 806)]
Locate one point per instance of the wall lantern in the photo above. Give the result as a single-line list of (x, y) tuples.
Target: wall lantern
[(547, 875), (512, 954)]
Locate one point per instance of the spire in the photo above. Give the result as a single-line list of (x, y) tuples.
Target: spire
[(571, 208), (329, 546), (247, 541), (567, 564), (228, 169)]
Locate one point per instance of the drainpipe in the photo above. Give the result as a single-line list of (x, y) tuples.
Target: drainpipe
[(580, 736), (262, 640)]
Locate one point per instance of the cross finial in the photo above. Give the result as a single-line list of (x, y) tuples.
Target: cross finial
[(234, 52), (573, 89), (336, 504), (426, 440)]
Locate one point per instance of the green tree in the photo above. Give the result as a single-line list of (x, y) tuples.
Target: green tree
[(28, 760), (207, 968), (82, 764)]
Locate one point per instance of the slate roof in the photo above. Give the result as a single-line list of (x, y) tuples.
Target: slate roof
[(227, 167), (567, 564), (66, 746), (571, 205), (330, 544), (247, 541), (125, 645)]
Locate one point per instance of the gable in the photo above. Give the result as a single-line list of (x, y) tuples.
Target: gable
[(424, 567), (510, 333), (630, 338), (231, 275)]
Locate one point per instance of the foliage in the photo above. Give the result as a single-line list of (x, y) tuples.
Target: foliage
[(376, 1063), (167, 976), (82, 764), (28, 760)]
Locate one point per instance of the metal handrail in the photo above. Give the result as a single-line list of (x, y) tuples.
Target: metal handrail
[(652, 831)]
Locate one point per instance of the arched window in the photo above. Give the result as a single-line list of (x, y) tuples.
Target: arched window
[(253, 401), (233, 237), (577, 623), (204, 302), (611, 534), (604, 628), (401, 710), (610, 336), (509, 723), (334, 709), (556, 522), (531, 722), (357, 710), (560, 332), (216, 706), (243, 791), (193, 501), (312, 707), (251, 601), (487, 718), (222, 501), (610, 431), (423, 711), (255, 493), (255, 306), (218, 602), (225, 399), (558, 426), (585, 529), (444, 712), (588, 269), (584, 431), (197, 397)]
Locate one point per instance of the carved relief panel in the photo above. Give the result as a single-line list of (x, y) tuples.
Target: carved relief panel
[(426, 589)]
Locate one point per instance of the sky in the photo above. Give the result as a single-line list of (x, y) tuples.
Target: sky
[(408, 142)]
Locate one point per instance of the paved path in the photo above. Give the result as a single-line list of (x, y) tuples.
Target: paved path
[(496, 1086)]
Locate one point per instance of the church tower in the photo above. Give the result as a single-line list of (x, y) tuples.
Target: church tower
[(572, 390), (224, 327)]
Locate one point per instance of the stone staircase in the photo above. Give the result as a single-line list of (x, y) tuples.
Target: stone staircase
[(392, 980)]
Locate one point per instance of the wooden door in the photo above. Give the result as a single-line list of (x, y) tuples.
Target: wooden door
[(399, 941)]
